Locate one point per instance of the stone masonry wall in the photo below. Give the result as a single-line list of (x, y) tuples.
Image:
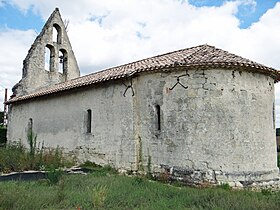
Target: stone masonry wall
[(220, 128), (61, 121)]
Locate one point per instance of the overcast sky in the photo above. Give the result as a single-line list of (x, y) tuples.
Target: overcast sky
[(111, 32)]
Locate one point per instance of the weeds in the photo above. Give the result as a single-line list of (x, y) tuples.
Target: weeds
[(99, 196), (15, 157), (54, 175), (224, 186), (61, 192), (122, 192)]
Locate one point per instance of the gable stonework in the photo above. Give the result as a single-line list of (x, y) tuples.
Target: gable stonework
[(35, 76), (201, 114)]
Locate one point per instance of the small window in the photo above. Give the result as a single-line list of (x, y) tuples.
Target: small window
[(30, 127), (157, 116), (273, 115), (88, 121)]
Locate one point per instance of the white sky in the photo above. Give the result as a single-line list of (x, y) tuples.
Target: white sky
[(112, 32)]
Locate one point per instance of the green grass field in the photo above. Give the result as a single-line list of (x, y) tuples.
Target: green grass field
[(103, 190)]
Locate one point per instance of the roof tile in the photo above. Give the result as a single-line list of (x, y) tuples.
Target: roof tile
[(203, 56)]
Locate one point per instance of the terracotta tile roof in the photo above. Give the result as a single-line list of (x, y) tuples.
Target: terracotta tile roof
[(203, 57)]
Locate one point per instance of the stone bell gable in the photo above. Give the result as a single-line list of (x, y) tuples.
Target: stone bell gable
[(50, 60)]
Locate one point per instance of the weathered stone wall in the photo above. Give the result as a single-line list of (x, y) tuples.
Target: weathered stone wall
[(61, 121), (34, 74), (221, 128)]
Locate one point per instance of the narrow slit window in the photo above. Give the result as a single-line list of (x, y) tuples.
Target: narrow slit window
[(273, 115), (89, 121), (30, 127), (158, 121)]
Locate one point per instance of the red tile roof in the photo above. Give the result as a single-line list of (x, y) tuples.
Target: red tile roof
[(202, 57)]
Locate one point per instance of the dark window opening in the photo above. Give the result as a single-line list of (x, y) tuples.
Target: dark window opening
[(88, 121), (158, 123), (62, 68), (30, 127), (273, 115)]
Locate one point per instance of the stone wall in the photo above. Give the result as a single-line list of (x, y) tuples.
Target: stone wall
[(215, 125), (220, 128)]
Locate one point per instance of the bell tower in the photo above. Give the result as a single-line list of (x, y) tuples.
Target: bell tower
[(50, 60)]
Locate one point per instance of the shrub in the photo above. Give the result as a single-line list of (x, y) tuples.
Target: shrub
[(13, 158), (224, 186), (3, 135), (278, 160), (54, 175)]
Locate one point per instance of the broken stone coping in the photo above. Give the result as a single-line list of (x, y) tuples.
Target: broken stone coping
[(36, 175)]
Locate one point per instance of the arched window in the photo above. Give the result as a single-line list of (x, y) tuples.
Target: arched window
[(88, 121), (56, 34), (49, 58), (62, 68)]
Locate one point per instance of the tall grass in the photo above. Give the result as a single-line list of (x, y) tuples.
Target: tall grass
[(15, 157), (112, 191)]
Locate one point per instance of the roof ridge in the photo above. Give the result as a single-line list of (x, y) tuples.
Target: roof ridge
[(138, 61), (202, 56)]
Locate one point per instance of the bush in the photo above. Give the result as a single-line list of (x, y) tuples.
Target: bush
[(54, 175), (3, 135)]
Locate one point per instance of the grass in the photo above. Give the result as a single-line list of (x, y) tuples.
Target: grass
[(106, 190)]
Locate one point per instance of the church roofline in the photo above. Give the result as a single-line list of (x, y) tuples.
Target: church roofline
[(199, 57)]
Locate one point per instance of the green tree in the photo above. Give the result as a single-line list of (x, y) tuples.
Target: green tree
[(1, 117)]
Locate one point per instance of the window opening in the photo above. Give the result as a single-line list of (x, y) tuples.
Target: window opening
[(56, 34), (158, 122), (30, 127), (273, 115), (88, 121), (62, 68), (47, 58)]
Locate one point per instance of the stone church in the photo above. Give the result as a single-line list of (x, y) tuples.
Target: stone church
[(199, 113)]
